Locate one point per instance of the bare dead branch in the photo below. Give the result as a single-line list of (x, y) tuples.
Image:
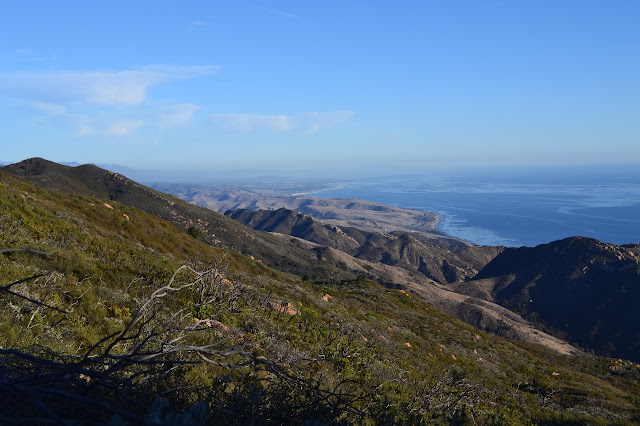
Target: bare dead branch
[(30, 251), (153, 343), (7, 288)]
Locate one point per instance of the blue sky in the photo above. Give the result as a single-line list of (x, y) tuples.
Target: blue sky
[(321, 86)]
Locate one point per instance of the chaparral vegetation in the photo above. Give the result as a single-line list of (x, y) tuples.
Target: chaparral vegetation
[(113, 315)]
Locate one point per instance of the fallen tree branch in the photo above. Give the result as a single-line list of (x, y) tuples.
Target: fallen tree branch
[(30, 251), (7, 287)]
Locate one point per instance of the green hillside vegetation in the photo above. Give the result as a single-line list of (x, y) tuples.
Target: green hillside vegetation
[(115, 315), (214, 228)]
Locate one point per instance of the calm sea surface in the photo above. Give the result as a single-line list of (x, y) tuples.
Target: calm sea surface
[(516, 208)]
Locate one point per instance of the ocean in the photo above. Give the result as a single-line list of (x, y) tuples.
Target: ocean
[(523, 207)]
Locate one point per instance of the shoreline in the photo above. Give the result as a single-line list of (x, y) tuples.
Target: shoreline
[(299, 194), (362, 214)]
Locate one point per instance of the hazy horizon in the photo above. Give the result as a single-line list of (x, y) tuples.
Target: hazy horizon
[(557, 173)]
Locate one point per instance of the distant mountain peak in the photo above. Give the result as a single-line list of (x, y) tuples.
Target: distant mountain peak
[(34, 165)]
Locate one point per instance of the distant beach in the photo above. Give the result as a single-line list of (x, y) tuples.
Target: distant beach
[(299, 194), (517, 209)]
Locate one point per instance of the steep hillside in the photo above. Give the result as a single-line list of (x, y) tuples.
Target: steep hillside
[(395, 261), (399, 267), (213, 227), (112, 314), (398, 249), (219, 230), (578, 288)]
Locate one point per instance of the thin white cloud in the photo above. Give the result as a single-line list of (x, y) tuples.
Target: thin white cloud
[(116, 103), (84, 130), (29, 55), (125, 88), (309, 122), (98, 102), (180, 72), (93, 88), (253, 122), (199, 24), (312, 122), (279, 13), (112, 122), (177, 115), (49, 108), (124, 127)]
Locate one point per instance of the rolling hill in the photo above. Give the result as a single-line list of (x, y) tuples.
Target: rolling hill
[(113, 314), (579, 290), (317, 262)]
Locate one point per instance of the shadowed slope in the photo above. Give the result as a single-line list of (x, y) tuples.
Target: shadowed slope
[(581, 289)]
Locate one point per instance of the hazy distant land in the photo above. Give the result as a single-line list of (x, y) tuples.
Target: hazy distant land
[(362, 214), (500, 208)]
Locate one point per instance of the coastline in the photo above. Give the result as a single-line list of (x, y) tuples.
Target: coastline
[(357, 213), (300, 194), (491, 212), (515, 209)]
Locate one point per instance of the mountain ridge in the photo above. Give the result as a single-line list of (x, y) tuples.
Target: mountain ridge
[(312, 261), (504, 278), (347, 351)]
